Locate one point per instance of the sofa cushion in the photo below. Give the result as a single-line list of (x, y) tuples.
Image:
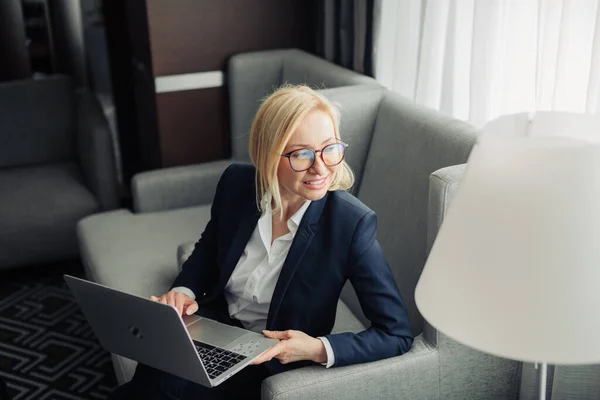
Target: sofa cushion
[(40, 209), (137, 253)]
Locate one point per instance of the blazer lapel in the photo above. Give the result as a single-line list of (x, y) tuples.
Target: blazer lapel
[(302, 239), (240, 240)]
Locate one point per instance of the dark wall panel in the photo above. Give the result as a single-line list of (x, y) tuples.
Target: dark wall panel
[(200, 35), (153, 38), (192, 125)]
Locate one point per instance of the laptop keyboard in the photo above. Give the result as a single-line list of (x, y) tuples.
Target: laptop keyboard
[(216, 360)]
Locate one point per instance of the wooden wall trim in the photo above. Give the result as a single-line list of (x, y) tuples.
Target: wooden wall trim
[(199, 80)]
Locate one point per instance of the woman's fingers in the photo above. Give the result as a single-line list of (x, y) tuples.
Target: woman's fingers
[(178, 300), (272, 352), (281, 335), (191, 307)]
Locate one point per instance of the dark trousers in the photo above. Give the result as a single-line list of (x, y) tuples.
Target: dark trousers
[(151, 384)]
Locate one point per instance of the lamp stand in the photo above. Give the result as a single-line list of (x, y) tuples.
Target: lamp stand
[(542, 377)]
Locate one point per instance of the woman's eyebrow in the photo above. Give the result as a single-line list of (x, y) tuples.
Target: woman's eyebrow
[(305, 145)]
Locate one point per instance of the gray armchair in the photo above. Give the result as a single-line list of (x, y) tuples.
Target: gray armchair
[(394, 148), (56, 167), (408, 144), (171, 206)]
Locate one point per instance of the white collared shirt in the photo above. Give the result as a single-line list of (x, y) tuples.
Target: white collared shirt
[(250, 287)]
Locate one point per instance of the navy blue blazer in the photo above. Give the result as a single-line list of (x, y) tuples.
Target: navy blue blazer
[(336, 241)]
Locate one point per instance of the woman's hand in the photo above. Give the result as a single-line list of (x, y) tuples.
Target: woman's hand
[(293, 346), (180, 301)]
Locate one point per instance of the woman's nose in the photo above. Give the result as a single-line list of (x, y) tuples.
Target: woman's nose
[(318, 168)]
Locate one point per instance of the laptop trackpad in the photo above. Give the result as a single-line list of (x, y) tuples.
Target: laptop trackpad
[(215, 333)]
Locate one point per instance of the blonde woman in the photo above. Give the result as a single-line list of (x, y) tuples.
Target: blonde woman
[(283, 239)]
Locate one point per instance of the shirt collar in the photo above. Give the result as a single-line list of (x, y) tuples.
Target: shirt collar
[(294, 222)]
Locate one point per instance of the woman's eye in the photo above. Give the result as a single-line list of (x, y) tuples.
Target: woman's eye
[(302, 154)]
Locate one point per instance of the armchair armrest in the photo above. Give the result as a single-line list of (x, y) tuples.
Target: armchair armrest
[(176, 187), (95, 150), (414, 375), (443, 184)]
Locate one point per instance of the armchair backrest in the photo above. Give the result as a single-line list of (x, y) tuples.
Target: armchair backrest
[(409, 143), (358, 109), (36, 121), (253, 76), (301, 67)]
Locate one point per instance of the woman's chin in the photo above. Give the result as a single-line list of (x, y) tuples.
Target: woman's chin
[(314, 194)]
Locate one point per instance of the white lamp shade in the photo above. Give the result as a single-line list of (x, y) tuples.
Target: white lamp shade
[(515, 268)]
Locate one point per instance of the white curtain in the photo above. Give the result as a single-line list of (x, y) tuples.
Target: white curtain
[(478, 59)]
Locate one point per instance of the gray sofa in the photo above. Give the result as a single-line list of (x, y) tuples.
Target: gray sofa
[(56, 167), (394, 148)]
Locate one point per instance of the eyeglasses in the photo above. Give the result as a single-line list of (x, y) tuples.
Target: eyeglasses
[(303, 159)]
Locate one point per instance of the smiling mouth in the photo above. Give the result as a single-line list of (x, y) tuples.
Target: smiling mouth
[(316, 182)]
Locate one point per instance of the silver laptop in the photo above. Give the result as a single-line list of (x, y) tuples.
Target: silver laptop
[(198, 349)]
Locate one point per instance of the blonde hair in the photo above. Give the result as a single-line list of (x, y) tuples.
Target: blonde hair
[(274, 123)]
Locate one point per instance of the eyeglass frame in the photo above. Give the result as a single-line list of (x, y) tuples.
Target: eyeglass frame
[(289, 155)]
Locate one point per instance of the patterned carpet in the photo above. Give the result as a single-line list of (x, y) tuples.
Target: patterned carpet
[(47, 349)]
